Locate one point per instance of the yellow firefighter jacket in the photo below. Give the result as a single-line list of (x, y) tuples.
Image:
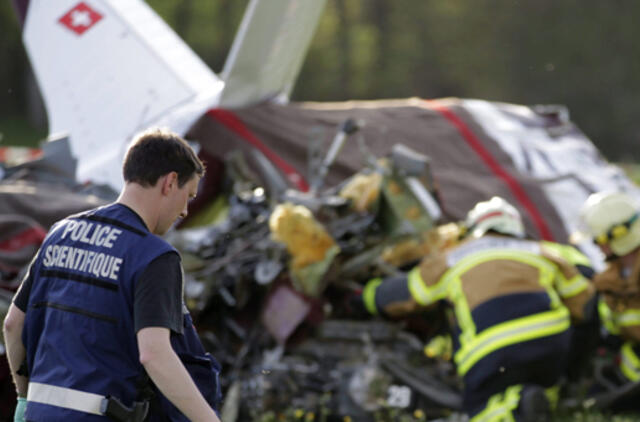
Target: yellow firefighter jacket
[(490, 267), (619, 308)]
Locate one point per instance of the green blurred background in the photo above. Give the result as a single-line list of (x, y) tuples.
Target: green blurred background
[(580, 53)]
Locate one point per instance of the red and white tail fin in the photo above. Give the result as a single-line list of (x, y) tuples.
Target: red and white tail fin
[(107, 69)]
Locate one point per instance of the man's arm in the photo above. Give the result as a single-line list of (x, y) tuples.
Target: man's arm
[(170, 376), (12, 329)]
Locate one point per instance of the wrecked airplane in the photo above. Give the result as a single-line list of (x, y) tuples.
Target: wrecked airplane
[(302, 203)]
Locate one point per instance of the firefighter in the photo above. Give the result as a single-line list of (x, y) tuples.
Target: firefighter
[(613, 221), (513, 300)]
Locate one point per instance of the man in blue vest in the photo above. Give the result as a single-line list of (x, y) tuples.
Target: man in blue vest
[(100, 311)]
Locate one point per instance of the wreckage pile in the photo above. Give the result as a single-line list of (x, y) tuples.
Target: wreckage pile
[(271, 287), (270, 279)]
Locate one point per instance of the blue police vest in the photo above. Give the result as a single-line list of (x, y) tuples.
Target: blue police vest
[(79, 331), (202, 367)]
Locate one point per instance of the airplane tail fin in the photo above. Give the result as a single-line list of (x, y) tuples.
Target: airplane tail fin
[(268, 50), (107, 69)]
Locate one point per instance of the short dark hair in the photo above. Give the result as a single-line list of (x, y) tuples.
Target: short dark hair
[(156, 152)]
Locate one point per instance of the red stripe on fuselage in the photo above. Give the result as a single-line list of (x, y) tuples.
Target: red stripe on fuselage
[(516, 189), (232, 122)]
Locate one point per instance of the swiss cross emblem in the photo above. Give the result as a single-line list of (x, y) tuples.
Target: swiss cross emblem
[(80, 18)]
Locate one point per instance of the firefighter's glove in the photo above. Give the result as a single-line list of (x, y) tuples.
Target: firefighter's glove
[(21, 406)]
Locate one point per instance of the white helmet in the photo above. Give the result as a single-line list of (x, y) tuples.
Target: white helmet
[(495, 214), (613, 218)]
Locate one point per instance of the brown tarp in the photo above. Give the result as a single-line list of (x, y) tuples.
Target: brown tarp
[(26, 207), (44, 203), (20, 238), (467, 165)]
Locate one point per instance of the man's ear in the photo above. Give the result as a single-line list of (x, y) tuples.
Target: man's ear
[(169, 181)]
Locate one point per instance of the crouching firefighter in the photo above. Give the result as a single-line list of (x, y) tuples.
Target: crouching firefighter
[(99, 317), (513, 302), (612, 220)]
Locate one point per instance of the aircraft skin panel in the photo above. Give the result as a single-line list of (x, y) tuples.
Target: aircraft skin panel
[(109, 68), (568, 166), (268, 50), (161, 39)]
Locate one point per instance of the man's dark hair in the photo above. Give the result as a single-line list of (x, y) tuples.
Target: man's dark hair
[(156, 152)]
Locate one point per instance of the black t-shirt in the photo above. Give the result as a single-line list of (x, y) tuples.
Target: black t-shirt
[(157, 295)]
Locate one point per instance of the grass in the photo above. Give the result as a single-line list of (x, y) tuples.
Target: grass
[(291, 415), (597, 417), (18, 131)]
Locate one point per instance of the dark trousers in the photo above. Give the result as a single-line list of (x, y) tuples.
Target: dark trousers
[(539, 362)]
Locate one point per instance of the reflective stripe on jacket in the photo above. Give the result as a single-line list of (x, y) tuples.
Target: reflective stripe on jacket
[(500, 406), (630, 362), (492, 267)]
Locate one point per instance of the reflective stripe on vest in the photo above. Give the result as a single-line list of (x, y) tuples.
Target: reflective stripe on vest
[(630, 362), (67, 398), (500, 406)]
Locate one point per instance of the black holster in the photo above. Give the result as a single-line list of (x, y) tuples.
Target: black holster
[(117, 411)]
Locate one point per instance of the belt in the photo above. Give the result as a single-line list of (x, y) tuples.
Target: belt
[(65, 397)]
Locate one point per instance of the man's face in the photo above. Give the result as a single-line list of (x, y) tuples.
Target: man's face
[(176, 203)]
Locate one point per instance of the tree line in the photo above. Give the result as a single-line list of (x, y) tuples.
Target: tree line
[(580, 53)]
